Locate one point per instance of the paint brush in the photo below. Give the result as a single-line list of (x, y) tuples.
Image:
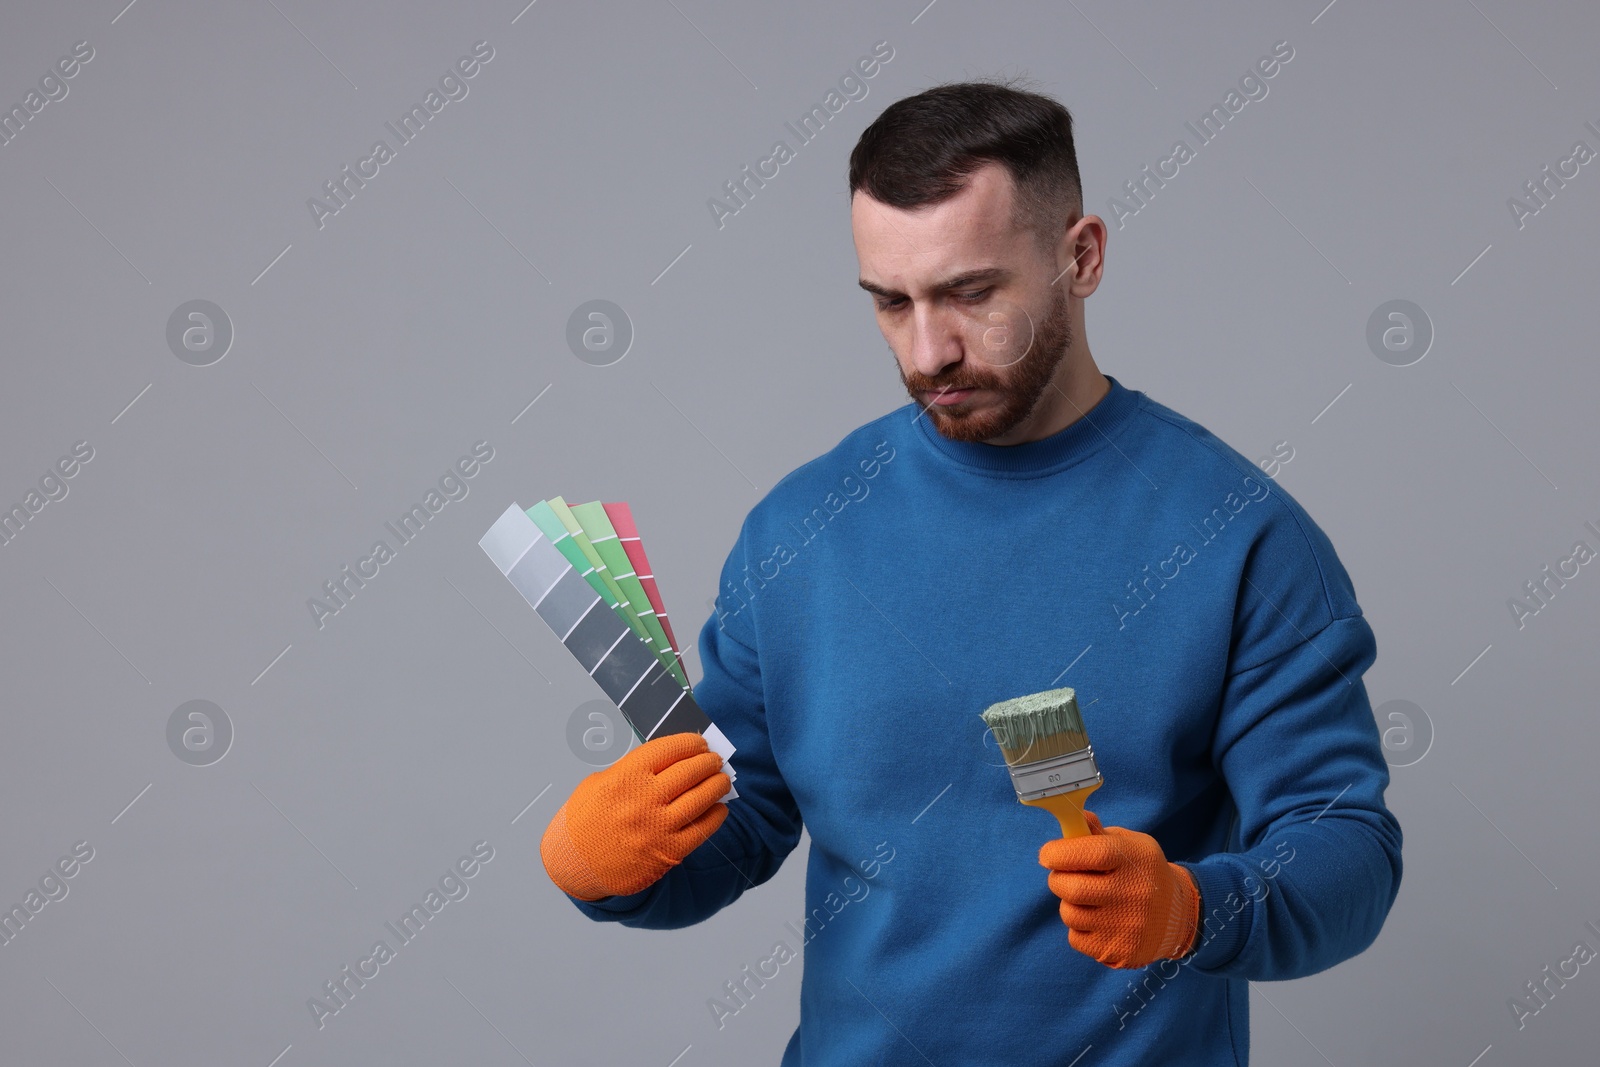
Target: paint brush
[(1047, 751)]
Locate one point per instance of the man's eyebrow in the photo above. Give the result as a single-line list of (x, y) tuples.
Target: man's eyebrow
[(971, 277)]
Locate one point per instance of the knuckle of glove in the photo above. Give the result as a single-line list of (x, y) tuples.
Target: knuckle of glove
[(1138, 889), (1073, 888), (1102, 948), (1139, 848), (1092, 945)]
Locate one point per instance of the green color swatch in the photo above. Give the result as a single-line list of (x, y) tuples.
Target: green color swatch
[(603, 538)]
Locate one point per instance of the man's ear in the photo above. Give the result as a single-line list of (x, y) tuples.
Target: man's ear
[(1082, 247)]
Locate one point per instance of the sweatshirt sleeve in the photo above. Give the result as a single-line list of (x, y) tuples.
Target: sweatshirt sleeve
[(763, 822), (1318, 863)]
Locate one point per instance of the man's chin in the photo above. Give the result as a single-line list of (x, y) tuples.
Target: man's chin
[(969, 422), (976, 419)]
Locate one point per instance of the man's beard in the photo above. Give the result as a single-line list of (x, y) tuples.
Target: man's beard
[(1018, 394)]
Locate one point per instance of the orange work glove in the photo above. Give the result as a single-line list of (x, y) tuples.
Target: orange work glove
[(1124, 904), (627, 825)]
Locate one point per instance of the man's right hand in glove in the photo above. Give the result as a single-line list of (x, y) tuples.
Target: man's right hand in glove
[(627, 825)]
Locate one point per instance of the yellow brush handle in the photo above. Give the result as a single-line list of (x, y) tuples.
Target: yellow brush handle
[(1068, 810)]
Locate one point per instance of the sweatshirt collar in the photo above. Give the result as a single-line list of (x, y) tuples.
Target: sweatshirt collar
[(1085, 436)]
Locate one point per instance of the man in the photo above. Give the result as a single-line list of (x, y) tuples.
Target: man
[(1027, 523)]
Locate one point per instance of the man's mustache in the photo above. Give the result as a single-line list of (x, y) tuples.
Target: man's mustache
[(918, 385)]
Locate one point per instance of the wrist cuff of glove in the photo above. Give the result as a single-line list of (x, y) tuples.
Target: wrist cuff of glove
[(1183, 917), (565, 864)]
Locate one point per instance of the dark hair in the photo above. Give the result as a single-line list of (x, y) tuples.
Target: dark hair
[(922, 149)]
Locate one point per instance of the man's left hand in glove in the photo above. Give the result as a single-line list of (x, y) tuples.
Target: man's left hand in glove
[(1123, 903)]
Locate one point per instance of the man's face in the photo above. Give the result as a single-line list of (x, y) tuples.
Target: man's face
[(965, 300)]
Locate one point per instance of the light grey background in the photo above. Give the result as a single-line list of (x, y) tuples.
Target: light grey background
[(371, 753)]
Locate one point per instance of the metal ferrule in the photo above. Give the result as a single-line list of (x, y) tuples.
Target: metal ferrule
[(1057, 774)]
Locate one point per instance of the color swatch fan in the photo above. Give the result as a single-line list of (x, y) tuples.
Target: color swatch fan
[(584, 570)]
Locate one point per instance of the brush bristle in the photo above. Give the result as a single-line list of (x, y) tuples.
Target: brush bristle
[(1037, 726)]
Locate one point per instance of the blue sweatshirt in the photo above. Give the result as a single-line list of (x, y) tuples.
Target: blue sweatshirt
[(881, 596)]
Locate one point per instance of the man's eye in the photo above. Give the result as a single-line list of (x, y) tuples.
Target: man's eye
[(890, 305), (972, 296)]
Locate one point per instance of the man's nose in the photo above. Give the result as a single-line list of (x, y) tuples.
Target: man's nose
[(936, 340)]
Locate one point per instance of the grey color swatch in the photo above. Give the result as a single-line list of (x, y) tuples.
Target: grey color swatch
[(620, 661)]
